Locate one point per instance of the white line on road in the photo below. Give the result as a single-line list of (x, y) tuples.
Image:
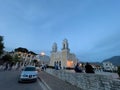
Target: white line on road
[(44, 87)]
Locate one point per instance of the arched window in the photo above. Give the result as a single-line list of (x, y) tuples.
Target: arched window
[(60, 63), (55, 63)]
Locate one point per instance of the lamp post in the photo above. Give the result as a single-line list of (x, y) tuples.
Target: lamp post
[(42, 54)]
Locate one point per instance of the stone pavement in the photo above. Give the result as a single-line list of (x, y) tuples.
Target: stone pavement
[(54, 83)]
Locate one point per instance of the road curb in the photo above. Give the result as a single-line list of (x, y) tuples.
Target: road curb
[(44, 83)]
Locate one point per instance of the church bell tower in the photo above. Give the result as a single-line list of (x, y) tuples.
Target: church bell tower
[(65, 45)]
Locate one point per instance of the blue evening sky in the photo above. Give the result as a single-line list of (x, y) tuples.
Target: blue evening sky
[(92, 27)]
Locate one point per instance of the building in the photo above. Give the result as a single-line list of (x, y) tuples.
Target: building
[(108, 66), (63, 58), (25, 57)]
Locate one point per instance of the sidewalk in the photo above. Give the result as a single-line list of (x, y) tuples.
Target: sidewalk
[(54, 83)]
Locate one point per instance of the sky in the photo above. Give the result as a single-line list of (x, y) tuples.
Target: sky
[(92, 27)]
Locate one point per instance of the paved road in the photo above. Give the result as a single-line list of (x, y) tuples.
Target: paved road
[(8, 81)]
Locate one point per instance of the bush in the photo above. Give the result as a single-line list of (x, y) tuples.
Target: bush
[(119, 71), (7, 58)]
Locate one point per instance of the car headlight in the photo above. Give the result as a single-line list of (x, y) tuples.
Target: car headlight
[(24, 75), (34, 75)]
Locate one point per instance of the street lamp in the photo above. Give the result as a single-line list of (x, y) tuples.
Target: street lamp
[(42, 53)]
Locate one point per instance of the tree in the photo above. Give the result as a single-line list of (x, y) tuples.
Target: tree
[(7, 58), (16, 59), (1, 45), (11, 59), (36, 62)]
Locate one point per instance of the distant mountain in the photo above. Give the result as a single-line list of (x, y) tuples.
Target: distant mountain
[(115, 60), (97, 63)]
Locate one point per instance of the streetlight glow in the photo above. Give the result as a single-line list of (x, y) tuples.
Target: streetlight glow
[(42, 53)]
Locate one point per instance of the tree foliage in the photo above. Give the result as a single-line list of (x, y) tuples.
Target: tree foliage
[(7, 58), (16, 59), (1, 45), (36, 62)]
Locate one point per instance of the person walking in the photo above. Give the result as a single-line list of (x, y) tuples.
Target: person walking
[(11, 65), (6, 66)]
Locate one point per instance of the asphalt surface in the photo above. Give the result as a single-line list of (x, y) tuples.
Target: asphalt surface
[(9, 81)]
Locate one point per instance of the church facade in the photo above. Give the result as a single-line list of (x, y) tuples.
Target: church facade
[(63, 58)]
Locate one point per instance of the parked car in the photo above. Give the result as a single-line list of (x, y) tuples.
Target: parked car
[(28, 74)]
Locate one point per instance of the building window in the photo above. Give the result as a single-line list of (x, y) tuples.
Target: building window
[(59, 63), (55, 63)]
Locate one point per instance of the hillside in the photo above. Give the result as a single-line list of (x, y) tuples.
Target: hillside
[(115, 60)]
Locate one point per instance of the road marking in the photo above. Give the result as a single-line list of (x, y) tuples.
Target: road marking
[(43, 86)]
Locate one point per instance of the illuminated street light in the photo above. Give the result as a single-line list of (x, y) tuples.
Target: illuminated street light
[(42, 53)]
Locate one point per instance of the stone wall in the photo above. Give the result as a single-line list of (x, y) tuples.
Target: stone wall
[(87, 81)]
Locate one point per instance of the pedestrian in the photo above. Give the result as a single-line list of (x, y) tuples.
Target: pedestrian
[(11, 65), (77, 68), (89, 68), (6, 66), (45, 66)]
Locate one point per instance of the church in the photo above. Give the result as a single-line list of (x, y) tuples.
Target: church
[(63, 58)]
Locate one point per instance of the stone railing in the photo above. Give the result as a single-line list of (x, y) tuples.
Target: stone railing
[(87, 81)]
